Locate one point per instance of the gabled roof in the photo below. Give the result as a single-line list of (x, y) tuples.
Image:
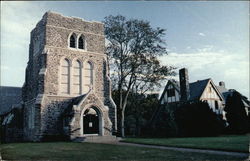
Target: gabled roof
[(197, 88), (74, 101), (216, 89), (174, 83), (77, 100)]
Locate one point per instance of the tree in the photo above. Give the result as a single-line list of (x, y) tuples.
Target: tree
[(164, 124), (236, 114), (138, 112), (133, 49)]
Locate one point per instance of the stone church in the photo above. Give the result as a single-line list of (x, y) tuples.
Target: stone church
[(67, 89)]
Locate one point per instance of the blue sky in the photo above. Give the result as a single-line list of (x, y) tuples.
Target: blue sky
[(211, 39)]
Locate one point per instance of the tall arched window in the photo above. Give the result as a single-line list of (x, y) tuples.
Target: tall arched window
[(81, 42), (88, 76), (65, 76), (77, 77), (72, 41)]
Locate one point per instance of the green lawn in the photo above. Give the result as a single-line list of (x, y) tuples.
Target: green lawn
[(92, 151), (238, 143)]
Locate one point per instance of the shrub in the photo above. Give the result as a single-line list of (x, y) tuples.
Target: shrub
[(198, 119)]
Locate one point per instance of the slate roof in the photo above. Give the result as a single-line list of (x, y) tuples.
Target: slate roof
[(74, 101), (9, 96), (226, 94), (197, 88), (77, 100)]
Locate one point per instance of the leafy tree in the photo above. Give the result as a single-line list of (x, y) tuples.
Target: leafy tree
[(133, 49), (139, 111), (236, 114), (164, 124)]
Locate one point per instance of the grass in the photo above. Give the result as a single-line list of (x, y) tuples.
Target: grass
[(92, 151), (237, 143)]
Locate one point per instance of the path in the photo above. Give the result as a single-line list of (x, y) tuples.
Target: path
[(240, 154)]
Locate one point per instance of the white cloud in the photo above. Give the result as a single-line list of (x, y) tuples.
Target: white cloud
[(202, 34), (206, 48), (4, 67), (233, 69), (17, 21)]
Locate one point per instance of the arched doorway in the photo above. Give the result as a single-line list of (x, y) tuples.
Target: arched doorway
[(91, 121)]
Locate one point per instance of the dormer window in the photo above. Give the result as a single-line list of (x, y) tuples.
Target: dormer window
[(72, 41), (81, 42)]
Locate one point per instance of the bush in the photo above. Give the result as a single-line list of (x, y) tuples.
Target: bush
[(198, 119), (236, 115)]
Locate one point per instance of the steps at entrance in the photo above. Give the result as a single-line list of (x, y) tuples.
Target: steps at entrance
[(97, 139)]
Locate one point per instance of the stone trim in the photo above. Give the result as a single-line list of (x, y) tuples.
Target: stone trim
[(33, 99), (76, 30), (74, 17), (101, 121), (39, 99), (62, 96), (43, 71), (83, 51)]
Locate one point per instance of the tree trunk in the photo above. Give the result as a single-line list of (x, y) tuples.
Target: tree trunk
[(119, 111), (122, 123), (125, 100), (123, 104)]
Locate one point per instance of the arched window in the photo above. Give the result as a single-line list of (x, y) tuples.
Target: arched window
[(88, 76), (77, 77), (72, 41), (81, 42), (65, 79)]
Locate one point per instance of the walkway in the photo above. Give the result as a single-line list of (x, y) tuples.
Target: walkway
[(240, 154)]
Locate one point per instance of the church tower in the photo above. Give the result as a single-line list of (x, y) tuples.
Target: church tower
[(67, 90)]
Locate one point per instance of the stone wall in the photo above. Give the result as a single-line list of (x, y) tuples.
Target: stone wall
[(73, 23), (36, 62), (28, 131), (52, 114)]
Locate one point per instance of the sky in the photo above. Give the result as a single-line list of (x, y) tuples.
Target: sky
[(209, 38)]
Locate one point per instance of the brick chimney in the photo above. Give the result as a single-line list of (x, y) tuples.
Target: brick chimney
[(184, 84), (222, 84)]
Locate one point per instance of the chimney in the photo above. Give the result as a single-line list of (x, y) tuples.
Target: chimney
[(184, 84), (222, 84)]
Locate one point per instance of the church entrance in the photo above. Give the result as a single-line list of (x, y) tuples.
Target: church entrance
[(91, 121)]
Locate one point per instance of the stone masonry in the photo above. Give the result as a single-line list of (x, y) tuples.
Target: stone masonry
[(49, 112)]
